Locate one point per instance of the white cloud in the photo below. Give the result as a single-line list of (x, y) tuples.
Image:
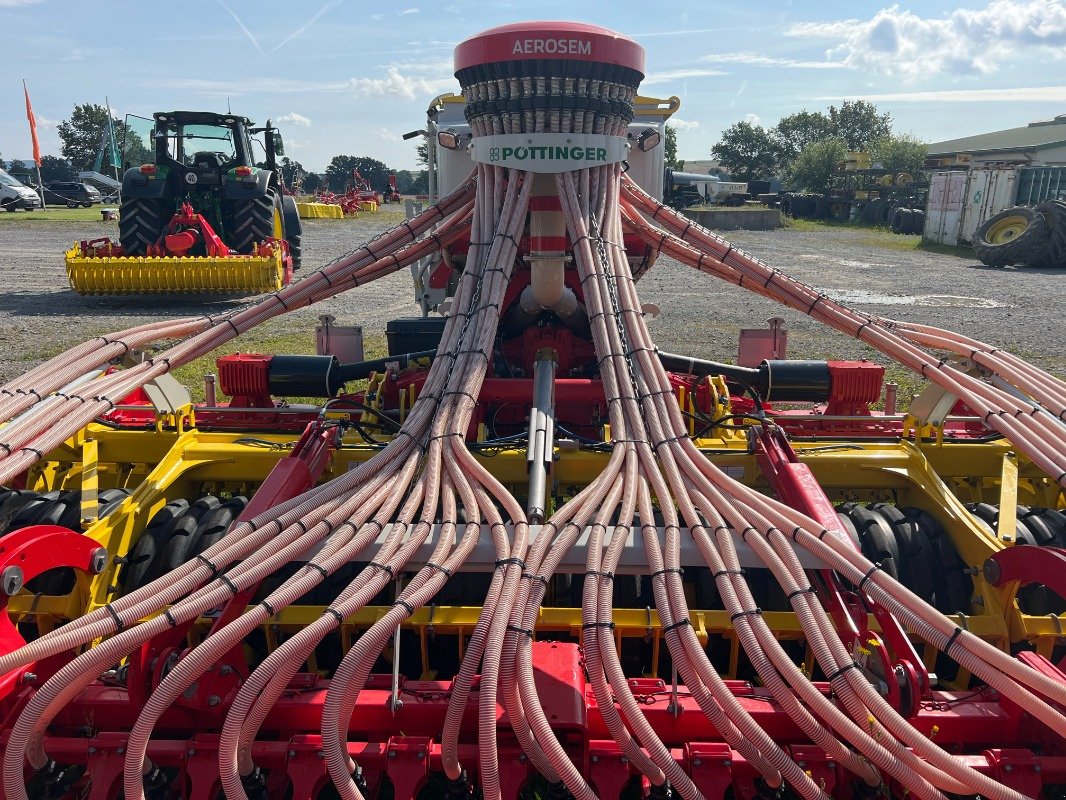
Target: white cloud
[(967, 41), (295, 119), (407, 11), (388, 135), (759, 60), (1039, 94), (753, 119), (682, 124), (679, 75), (395, 83)]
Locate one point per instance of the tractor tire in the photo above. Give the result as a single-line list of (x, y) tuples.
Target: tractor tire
[(884, 213), (821, 207), (140, 224), (872, 212), (1054, 252), (1015, 236), (293, 230), (785, 204), (255, 221), (900, 220), (839, 211), (917, 221)]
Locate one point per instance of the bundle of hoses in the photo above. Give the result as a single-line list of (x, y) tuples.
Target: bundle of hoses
[(426, 477), (1032, 416), (656, 474)]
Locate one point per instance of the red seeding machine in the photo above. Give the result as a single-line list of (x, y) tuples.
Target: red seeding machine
[(528, 554)]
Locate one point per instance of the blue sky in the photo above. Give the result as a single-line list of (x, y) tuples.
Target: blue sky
[(348, 76)]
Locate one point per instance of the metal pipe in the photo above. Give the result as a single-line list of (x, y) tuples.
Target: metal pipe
[(210, 396), (540, 450)]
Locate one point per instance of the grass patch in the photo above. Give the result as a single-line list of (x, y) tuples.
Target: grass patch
[(55, 214), (878, 237)]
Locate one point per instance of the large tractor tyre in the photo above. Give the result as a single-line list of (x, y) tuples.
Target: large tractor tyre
[(140, 224), (785, 205), (917, 221), (839, 211), (1014, 236), (899, 222), (255, 221), (802, 206), (1054, 254), (290, 218), (821, 206), (884, 213)]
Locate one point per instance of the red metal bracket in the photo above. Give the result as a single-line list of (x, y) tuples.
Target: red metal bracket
[(27, 553), (1046, 565)]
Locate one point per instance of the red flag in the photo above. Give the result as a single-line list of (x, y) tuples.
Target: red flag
[(33, 126)]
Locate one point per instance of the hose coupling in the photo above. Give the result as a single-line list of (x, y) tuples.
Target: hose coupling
[(255, 785), (156, 785), (459, 789)]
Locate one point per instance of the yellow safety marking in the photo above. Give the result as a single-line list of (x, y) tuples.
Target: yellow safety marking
[(90, 481)]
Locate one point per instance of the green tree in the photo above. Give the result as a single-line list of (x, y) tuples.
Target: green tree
[(858, 124), (82, 133), (814, 167), (54, 168), (902, 153), (796, 131), (748, 151), (292, 171), (670, 149), (339, 172), (312, 182)]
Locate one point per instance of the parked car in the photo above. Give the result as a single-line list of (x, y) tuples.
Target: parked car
[(72, 193), (14, 195)]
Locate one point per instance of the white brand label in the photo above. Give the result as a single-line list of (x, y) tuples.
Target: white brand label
[(549, 152)]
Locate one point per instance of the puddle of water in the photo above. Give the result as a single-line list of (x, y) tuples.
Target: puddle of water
[(866, 297)]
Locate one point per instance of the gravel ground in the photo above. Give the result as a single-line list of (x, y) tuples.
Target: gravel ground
[(1019, 309)]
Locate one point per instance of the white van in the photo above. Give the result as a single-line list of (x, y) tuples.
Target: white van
[(14, 195)]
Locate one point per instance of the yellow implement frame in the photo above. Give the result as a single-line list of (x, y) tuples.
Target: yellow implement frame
[(168, 463), (93, 275)]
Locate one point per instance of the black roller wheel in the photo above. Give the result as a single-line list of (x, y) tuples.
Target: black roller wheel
[(254, 221), (850, 529), (183, 534), (876, 539), (1018, 235), (216, 524), (293, 229), (140, 223), (151, 544), (914, 549), (38, 510), (954, 586)]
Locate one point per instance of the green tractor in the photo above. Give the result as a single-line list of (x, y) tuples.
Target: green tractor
[(205, 160)]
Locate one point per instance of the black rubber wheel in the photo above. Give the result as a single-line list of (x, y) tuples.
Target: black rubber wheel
[(785, 205), (1054, 251), (917, 221), (293, 229), (954, 586), (914, 550), (884, 212), (875, 537), (216, 524), (900, 219), (850, 529), (140, 223), (821, 206), (183, 534), (39, 510), (151, 545), (839, 211), (253, 221), (1015, 236)]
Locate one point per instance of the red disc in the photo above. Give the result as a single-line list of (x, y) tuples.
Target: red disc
[(536, 40)]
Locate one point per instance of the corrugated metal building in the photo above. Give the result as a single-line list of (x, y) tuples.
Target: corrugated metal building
[(1037, 144)]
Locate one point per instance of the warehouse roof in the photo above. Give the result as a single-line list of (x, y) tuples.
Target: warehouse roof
[(1035, 135)]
